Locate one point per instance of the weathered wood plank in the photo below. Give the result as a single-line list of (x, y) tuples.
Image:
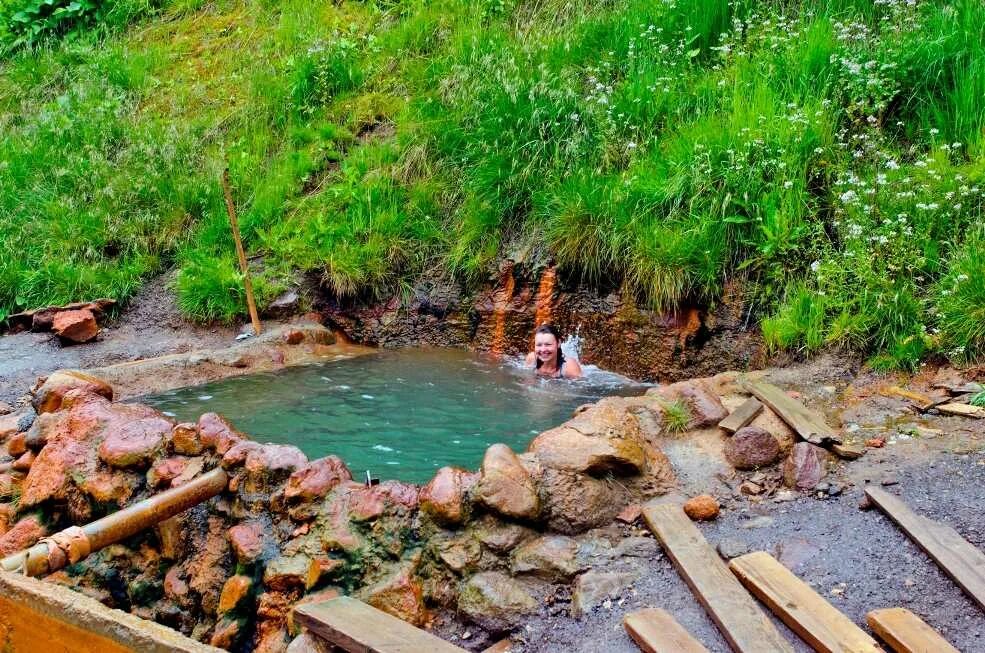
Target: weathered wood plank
[(746, 628), (656, 631), (803, 610), (905, 632), (502, 646), (742, 415), (964, 410), (807, 423), (360, 628), (956, 556)]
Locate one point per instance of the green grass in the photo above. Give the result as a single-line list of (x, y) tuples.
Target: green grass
[(830, 154), (676, 416)]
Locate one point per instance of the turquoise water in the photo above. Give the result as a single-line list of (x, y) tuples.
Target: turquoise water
[(399, 414)]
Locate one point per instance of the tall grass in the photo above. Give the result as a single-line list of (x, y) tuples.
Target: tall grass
[(831, 154)]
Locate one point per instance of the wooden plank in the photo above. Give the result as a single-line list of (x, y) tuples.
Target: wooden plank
[(502, 646), (656, 631), (357, 627), (803, 610), (807, 423), (905, 632), (964, 410), (956, 557), (746, 628), (742, 415)]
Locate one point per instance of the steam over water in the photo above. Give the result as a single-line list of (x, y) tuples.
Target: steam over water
[(400, 414)]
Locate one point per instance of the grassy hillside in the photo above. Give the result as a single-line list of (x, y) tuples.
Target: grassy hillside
[(830, 154)]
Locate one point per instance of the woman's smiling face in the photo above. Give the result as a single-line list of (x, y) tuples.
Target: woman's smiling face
[(545, 346)]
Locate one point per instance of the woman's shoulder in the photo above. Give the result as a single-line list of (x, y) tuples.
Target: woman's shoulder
[(530, 358), (571, 369)]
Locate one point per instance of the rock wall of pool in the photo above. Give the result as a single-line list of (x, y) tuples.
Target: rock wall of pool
[(483, 541)]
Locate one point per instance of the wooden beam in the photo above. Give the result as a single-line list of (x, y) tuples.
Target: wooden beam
[(357, 627), (807, 423), (956, 557), (746, 628), (741, 415), (802, 609), (905, 632), (964, 410), (656, 631)]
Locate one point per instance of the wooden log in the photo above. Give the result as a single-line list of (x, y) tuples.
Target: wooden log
[(905, 632), (656, 631), (736, 614), (234, 225), (357, 627), (47, 556), (805, 422), (741, 415), (964, 563), (802, 609)]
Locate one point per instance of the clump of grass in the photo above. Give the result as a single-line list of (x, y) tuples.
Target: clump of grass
[(676, 416)]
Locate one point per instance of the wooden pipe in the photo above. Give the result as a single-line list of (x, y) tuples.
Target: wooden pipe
[(75, 543)]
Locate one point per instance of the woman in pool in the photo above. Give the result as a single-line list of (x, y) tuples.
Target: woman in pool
[(547, 359)]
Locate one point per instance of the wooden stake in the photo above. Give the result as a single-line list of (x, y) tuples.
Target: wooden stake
[(239, 250)]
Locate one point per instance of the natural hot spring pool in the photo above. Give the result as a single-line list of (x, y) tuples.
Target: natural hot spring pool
[(400, 414)]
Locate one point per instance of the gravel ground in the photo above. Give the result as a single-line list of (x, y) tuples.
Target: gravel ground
[(858, 560)]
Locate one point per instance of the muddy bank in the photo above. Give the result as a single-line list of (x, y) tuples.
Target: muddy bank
[(615, 332)]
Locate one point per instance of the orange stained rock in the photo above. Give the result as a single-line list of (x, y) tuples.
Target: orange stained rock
[(500, 301), (545, 297)]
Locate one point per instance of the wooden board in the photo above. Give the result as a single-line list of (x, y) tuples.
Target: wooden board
[(502, 646), (802, 609), (956, 557), (357, 627), (746, 628), (905, 632), (656, 631), (805, 422), (742, 415), (964, 410)]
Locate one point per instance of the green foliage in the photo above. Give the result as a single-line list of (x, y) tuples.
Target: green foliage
[(676, 416), (830, 154)]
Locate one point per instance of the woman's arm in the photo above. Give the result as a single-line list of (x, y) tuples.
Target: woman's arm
[(530, 359), (571, 369)]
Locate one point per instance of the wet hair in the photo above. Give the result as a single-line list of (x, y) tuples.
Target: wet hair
[(550, 329)]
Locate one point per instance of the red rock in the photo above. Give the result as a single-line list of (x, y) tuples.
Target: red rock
[(165, 471), (24, 462), (399, 594), (316, 479), (805, 467), (703, 507), (234, 592), (369, 503), (50, 474), (505, 486), (443, 498), (185, 440), (134, 444), (751, 447), (109, 486), (207, 570), (171, 536), (48, 396), (309, 643), (16, 445), (216, 433), (630, 513), (75, 326), (175, 586), (247, 541), (271, 639), (236, 456), (7, 514), (226, 632), (875, 443), (271, 464), (22, 535), (293, 337), (273, 607), (574, 503), (551, 557)]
